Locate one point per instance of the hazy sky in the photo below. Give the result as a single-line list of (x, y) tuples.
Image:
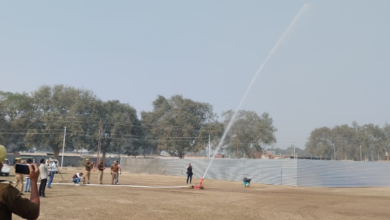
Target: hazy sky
[(333, 67)]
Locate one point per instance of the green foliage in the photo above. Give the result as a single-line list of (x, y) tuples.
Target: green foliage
[(120, 127), (344, 142), (53, 108), (15, 119), (178, 125), (250, 134), (39, 120), (289, 151)]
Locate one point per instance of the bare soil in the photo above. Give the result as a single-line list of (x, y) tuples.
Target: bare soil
[(219, 200)]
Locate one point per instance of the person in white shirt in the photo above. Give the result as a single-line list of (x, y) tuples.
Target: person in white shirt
[(27, 187), (43, 170), (52, 167), (78, 177), (120, 171)]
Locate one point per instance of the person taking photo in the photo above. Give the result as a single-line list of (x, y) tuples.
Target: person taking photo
[(11, 201)]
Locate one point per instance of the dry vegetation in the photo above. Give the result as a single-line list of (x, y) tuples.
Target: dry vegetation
[(219, 200)]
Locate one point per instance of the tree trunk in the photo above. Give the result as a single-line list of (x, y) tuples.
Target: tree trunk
[(104, 144), (104, 156), (56, 151)]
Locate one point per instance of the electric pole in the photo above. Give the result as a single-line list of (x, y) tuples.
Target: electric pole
[(63, 148), (293, 146), (100, 131), (237, 144), (209, 147)]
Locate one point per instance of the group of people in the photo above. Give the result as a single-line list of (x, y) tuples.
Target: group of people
[(47, 171), (89, 166), (115, 171), (11, 200)]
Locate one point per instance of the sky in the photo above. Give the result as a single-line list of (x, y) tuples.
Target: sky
[(332, 68)]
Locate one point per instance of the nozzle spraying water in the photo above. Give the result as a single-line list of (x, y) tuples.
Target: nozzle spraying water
[(273, 50)]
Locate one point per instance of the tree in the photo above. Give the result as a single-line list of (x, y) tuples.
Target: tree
[(346, 141), (178, 125), (4, 124), (15, 119), (289, 151), (214, 130), (119, 128), (54, 108), (321, 142), (375, 141), (349, 142), (250, 133), (386, 131)]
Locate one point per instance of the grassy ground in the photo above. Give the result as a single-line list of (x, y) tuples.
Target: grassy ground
[(219, 200)]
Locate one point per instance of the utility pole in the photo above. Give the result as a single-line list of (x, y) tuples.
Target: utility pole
[(237, 144), (100, 131), (294, 150), (209, 147), (63, 148), (360, 152)]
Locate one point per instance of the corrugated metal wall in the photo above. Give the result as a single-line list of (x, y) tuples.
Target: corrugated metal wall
[(343, 173), (314, 173)]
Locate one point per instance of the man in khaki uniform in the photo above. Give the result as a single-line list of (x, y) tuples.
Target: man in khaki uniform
[(101, 170), (88, 168), (114, 172), (19, 177), (11, 200)]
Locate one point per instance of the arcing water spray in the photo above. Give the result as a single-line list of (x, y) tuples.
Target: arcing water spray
[(273, 50)]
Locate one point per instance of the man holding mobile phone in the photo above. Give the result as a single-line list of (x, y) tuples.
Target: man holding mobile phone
[(11, 200)]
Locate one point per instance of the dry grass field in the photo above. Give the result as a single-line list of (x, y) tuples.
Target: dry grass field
[(219, 200)]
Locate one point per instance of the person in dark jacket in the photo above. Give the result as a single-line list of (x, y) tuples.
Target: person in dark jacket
[(189, 173)]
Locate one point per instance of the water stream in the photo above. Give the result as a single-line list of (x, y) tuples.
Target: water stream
[(273, 50)]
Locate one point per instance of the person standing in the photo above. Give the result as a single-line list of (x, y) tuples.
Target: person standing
[(119, 172), (19, 177), (52, 168), (43, 169), (11, 200), (189, 173), (88, 168), (114, 172), (101, 168), (27, 187)]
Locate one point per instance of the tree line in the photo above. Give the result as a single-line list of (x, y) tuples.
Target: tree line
[(177, 125), (355, 142)]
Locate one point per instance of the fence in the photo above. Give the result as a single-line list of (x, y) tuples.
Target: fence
[(314, 173)]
